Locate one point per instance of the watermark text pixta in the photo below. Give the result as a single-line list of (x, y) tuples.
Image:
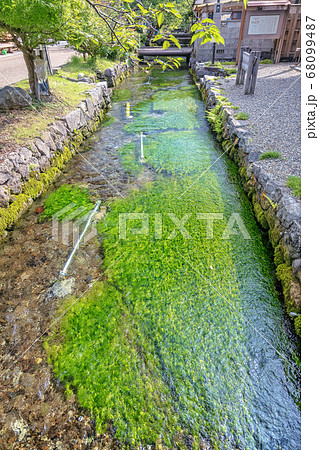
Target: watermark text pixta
[(233, 226)]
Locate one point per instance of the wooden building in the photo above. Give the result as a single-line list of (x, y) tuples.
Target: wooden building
[(269, 26)]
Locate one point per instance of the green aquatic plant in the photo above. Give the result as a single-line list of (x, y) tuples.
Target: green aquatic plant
[(165, 110), (67, 196), (162, 349), (121, 95), (108, 120), (129, 158)]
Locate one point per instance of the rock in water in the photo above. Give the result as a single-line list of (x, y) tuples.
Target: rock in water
[(59, 289), (14, 98)]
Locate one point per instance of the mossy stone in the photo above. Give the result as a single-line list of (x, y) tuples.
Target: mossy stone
[(297, 323), (260, 215)]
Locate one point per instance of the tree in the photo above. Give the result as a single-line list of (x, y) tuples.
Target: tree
[(31, 23), (126, 18), (85, 30), (89, 23)]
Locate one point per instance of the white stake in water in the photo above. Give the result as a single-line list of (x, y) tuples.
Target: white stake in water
[(142, 148)]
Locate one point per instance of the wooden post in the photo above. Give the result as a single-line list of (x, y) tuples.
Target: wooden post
[(254, 72), (48, 59), (239, 74), (282, 37), (241, 33), (37, 87), (248, 73)]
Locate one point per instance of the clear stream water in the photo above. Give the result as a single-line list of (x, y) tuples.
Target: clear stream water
[(187, 341)]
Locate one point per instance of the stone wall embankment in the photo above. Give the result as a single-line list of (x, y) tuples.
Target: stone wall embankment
[(27, 172)]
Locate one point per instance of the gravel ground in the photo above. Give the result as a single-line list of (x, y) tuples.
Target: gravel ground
[(274, 116)]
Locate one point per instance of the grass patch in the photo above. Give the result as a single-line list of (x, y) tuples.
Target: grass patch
[(27, 124), (78, 65), (270, 155), (242, 116), (266, 61), (76, 198), (228, 71), (294, 183), (227, 63)]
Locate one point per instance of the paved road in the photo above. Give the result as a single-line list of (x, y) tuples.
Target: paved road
[(13, 68)]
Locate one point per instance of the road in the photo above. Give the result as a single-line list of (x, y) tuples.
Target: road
[(13, 68)]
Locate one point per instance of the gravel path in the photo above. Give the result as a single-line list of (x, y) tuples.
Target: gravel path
[(274, 116)]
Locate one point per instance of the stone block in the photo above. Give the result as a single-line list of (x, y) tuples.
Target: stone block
[(75, 120), (4, 196), (6, 169), (14, 98), (15, 183), (42, 147)]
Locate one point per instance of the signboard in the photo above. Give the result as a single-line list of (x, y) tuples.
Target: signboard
[(263, 25)]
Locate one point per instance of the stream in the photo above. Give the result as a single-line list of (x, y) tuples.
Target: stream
[(184, 342)]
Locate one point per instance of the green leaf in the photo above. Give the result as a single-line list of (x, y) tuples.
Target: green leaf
[(175, 41), (197, 36), (206, 39), (196, 26), (166, 44), (160, 19), (157, 37), (143, 10), (207, 21)]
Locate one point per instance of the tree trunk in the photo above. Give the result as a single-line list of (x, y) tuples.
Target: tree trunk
[(29, 60)]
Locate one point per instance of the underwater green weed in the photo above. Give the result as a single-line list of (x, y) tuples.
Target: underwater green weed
[(64, 196)]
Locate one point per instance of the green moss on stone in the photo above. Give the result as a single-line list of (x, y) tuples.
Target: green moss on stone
[(279, 256), (243, 173), (49, 176), (11, 214), (260, 215), (284, 275), (274, 236), (62, 158), (297, 322), (33, 188)]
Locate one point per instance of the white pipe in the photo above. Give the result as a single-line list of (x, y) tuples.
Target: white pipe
[(88, 223), (142, 147)]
